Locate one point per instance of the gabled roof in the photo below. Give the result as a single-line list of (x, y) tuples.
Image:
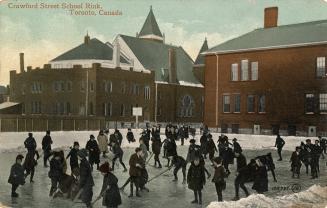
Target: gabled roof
[(276, 37), (7, 105), (150, 26), (200, 59), (155, 56), (94, 49)]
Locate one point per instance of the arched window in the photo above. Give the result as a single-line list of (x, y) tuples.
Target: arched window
[(186, 106)]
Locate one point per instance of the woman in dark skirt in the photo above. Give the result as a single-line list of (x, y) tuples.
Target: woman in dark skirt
[(196, 180), (110, 191), (94, 151)]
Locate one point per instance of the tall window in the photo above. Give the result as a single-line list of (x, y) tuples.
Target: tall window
[(107, 86), (123, 87), (82, 109), (186, 106), (254, 71), (245, 70), (309, 103), (321, 66), (82, 86), (250, 104), (56, 86), (36, 107), (323, 102), (109, 109), (237, 107), (62, 86), (262, 104), (147, 92), (69, 86), (91, 111), (226, 100), (68, 111), (234, 72), (122, 110), (92, 86)]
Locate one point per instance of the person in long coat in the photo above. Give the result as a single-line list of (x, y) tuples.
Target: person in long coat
[(16, 176), (94, 151), (130, 136), (296, 162), (156, 148), (46, 147), (171, 149), (86, 182), (279, 144), (196, 180), (103, 143), (180, 163), (237, 146), (242, 176), (55, 172), (261, 177), (30, 163), (204, 145), (144, 149), (110, 191), (211, 147), (118, 152), (136, 163)]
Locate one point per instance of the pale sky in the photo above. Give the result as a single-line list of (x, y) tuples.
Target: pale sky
[(44, 34)]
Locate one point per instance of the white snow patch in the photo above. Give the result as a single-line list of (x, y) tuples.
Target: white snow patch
[(7, 105), (184, 83), (314, 197)]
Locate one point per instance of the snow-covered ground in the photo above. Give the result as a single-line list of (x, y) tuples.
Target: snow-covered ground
[(163, 192)]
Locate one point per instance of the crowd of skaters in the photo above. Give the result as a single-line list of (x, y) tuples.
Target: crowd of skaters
[(83, 160)]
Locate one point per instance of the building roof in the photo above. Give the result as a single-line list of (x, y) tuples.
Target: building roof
[(94, 49), (150, 26), (7, 105), (293, 35), (200, 58), (154, 56)]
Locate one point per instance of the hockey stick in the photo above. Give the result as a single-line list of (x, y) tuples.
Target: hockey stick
[(78, 195), (149, 159), (159, 174), (267, 146)]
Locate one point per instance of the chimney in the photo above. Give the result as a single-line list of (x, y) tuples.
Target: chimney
[(21, 55), (271, 17), (172, 66), (87, 38), (116, 55)]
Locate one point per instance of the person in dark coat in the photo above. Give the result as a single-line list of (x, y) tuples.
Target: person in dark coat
[(136, 163), (211, 147), (118, 152), (156, 148), (196, 180), (86, 182), (219, 177), (73, 157), (171, 149), (30, 163), (279, 144), (110, 191), (204, 145), (16, 176), (237, 146), (180, 163), (194, 151), (119, 136), (296, 162), (323, 144), (316, 152), (55, 172), (94, 151), (260, 183), (46, 147), (130, 136), (30, 143), (305, 157), (227, 156), (242, 176)]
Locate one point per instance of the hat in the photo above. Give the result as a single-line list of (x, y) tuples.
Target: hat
[(48, 131), (76, 143), (138, 149), (30, 134), (105, 168), (308, 140), (192, 141), (234, 139), (82, 153), (217, 160), (92, 136), (19, 157), (296, 148)]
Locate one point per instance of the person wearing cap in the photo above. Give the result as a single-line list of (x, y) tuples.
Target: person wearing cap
[(156, 149), (86, 182), (110, 191), (46, 147), (136, 163), (196, 180), (144, 149), (103, 143), (296, 162), (55, 172), (130, 136), (30, 162), (237, 147), (243, 174), (73, 157), (316, 152), (194, 151), (219, 177), (309, 148), (94, 151), (180, 163), (260, 183), (323, 143), (171, 149), (16, 176), (279, 144)]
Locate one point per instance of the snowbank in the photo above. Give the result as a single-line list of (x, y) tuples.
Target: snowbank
[(13, 141), (314, 197)]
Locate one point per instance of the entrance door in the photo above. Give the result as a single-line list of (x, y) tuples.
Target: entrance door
[(256, 129), (312, 131)]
